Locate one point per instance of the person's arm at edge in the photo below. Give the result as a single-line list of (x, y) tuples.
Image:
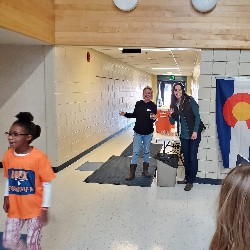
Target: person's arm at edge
[(46, 202), (172, 117), (6, 203), (132, 115)]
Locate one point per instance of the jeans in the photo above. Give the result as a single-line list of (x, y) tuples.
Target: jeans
[(190, 150), (138, 139)]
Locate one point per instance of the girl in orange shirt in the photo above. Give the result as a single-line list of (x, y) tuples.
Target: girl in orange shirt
[(28, 187)]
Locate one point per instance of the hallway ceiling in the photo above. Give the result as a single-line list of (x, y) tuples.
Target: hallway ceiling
[(156, 61), (8, 37)]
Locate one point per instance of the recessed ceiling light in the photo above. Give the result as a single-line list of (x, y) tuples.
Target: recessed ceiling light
[(156, 49), (167, 74), (165, 68)]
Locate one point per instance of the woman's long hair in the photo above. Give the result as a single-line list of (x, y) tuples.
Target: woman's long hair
[(174, 99), (233, 216)]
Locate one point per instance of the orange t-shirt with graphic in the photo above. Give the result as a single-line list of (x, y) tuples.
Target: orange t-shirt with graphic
[(25, 176)]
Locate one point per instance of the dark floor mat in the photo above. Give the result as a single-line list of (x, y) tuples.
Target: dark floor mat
[(154, 149), (115, 170), (208, 181), (90, 166)]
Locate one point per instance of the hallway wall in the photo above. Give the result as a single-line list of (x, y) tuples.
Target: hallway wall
[(26, 74), (75, 102), (89, 96), (78, 107), (216, 63)]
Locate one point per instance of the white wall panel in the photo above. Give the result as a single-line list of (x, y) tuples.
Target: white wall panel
[(201, 174), (24, 82), (203, 142), (212, 166), (91, 96), (207, 55), (219, 68), (204, 94), (220, 55), (212, 118), (244, 56), (223, 63), (233, 56), (205, 81), (204, 105), (202, 165), (204, 117), (212, 107), (212, 153), (206, 68), (202, 154), (244, 69), (232, 69), (213, 81)]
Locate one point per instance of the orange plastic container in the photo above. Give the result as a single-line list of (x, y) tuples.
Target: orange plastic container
[(162, 123)]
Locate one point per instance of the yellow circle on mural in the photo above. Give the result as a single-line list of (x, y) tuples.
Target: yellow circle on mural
[(241, 111)]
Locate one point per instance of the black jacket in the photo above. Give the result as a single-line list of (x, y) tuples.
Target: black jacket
[(188, 116), (143, 123)]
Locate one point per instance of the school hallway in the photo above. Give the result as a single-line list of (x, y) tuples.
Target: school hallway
[(119, 217)]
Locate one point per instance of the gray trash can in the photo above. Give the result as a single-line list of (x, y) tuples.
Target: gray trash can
[(167, 165)]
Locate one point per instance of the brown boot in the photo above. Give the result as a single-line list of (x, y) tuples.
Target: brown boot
[(131, 174), (145, 170)]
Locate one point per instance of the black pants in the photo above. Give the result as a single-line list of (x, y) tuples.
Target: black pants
[(189, 149)]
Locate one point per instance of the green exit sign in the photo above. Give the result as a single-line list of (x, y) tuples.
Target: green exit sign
[(171, 77)]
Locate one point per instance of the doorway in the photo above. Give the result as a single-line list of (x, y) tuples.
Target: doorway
[(164, 92)]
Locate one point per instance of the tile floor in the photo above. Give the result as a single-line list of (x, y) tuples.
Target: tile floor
[(115, 217)]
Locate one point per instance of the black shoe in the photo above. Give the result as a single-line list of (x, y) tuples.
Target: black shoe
[(188, 187), (182, 182)]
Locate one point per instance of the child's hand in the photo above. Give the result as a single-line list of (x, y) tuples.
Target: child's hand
[(44, 217), (6, 204)]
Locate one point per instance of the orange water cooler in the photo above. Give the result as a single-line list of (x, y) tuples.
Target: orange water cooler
[(162, 123)]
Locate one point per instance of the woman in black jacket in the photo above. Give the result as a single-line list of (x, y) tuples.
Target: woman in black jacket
[(185, 111), (144, 112)]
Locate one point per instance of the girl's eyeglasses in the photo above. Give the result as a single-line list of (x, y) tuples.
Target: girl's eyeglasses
[(14, 134)]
